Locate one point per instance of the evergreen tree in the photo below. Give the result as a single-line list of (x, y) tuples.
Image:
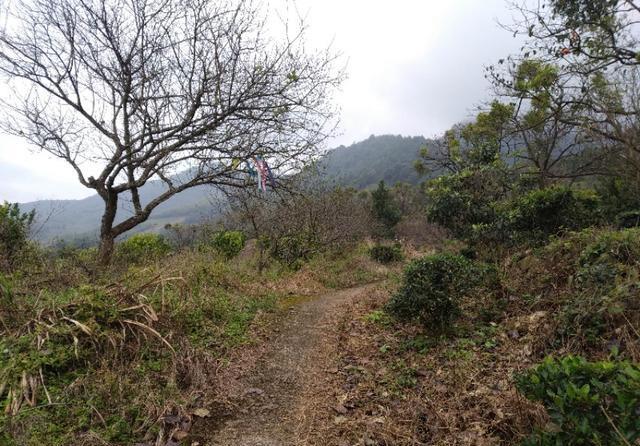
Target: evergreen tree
[(384, 208)]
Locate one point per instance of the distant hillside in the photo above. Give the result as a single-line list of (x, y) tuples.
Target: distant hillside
[(78, 220), (361, 165), (364, 164)]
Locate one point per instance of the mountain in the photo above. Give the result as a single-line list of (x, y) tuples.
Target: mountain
[(361, 165), (77, 221)]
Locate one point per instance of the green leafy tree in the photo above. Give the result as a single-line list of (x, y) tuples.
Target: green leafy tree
[(478, 176), (593, 46), (384, 208), (468, 146)]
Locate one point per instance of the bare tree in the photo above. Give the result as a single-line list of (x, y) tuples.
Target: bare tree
[(182, 91), (312, 215)]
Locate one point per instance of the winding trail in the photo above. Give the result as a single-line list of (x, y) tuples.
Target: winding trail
[(268, 409)]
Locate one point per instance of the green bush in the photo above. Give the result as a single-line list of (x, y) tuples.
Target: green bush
[(619, 195), (142, 247), (606, 288), (462, 200), (611, 256), (555, 209), (537, 215), (228, 243), (14, 232), (386, 253), (433, 286), (594, 403)]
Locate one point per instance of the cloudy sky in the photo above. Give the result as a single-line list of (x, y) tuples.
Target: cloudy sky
[(414, 67)]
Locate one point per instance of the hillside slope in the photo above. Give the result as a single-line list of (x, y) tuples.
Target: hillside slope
[(365, 163), (361, 165)]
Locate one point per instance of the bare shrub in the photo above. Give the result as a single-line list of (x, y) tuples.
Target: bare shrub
[(417, 231)]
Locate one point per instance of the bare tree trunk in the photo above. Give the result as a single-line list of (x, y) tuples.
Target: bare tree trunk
[(107, 235)]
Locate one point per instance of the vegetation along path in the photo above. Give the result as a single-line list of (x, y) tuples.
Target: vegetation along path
[(269, 401)]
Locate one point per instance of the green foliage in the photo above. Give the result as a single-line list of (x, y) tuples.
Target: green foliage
[(470, 146), (534, 76), (578, 13), (606, 287), (589, 281), (143, 247), (588, 402), (537, 215), (610, 257), (228, 243), (433, 286), (459, 201), (484, 136), (620, 199), (384, 208), (14, 232), (386, 253)]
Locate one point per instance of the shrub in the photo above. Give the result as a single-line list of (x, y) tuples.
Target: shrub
[(461, 200), (539, 214), (14, 232), (588, 281), (619, 195), (291, 250), (588, 402), (228, 243), (386, 253), (433, 286), (142, 247)]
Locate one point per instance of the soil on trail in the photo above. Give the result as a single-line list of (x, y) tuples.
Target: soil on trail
[(269, 398)]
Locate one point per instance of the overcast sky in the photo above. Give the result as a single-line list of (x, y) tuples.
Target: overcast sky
[(415, 67)]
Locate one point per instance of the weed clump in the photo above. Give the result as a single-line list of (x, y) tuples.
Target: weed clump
[(588, 280), (588, 402)]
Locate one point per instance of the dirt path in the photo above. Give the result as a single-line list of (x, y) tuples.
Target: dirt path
[(268, 403)]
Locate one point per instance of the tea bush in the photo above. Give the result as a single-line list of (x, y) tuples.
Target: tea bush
[(386, 253), (588, 402), (459, 201), (228, 243), (143, 247), (540, 214), (433, 286)]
